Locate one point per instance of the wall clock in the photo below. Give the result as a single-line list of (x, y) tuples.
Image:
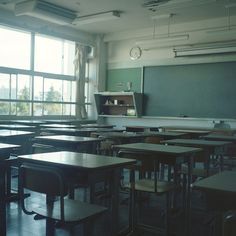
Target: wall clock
[(135, 53)]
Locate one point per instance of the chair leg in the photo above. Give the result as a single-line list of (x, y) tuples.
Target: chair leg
[(88, 228), (167, 219), (50, 229)]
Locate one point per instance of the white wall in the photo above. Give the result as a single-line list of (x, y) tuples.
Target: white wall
[(119, 44)]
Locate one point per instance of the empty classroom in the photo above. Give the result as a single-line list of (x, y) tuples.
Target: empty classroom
[(117, 117)]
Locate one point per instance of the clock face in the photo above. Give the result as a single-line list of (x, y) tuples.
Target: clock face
[(135, 53)]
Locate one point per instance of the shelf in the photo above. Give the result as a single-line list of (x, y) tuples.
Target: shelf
[(119, 104), (113, 105)]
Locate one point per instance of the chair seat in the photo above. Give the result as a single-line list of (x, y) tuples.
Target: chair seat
[(75, 211), (148, 185)]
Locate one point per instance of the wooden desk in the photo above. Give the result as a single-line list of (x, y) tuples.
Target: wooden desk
[(220, 190), (220, 137), (18, 127), (29, 122), (171, 155), (125, 137), (84, 132), (166, 135), (217, 148), (194, 132), (5, 150), (92, 165), (18, 137), (97, 126), (138, 128), (71, 143), (60, 126), (14, 133)]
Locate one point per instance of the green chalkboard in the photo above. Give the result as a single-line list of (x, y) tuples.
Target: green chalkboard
[(117, 79), (197, 90)]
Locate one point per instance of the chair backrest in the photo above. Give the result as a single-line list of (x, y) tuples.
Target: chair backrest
[(43, 179), (153, 139), (145, 161)]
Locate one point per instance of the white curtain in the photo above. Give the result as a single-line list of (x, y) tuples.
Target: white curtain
[(79, 62)]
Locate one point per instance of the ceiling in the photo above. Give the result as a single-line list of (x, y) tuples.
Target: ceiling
[(133, 15)]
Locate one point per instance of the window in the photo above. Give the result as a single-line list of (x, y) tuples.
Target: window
[(54, 55), (48, 88), (15, 49)]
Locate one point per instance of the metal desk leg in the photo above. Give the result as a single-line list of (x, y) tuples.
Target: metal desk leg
[(188, 202), (2, 200), (114, 185)]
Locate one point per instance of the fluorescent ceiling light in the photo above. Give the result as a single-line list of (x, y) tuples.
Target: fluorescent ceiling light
[(207, 50), (45, 11), (105, 16), (222, 31), (155, 41)]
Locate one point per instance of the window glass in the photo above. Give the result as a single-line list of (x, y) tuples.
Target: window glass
[(35, 91), (66, 91), (73, 91), (23, 87), (23, 108), (4, 108), (52, 109), (38, 88), (13, 86), (13, 108), (38, 109), (4, 86), (14, 48), (52, 90), (54, 55)]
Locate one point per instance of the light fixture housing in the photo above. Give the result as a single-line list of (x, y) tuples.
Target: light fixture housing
[(98, 17), (157, 40), (45, 11), (205, 50), (225, 31)]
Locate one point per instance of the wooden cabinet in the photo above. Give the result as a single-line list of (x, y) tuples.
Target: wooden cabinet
[(119, 104)]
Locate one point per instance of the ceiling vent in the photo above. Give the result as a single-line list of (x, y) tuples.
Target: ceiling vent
[(45, 11), (169, 5), (153, 4)]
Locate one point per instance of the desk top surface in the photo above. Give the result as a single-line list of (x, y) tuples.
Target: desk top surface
[(123, 134), (4, 146), (224, 181), (219, 137), (197, 142), (159, 148), (29, 122), (164, 134), (58, 126), (96, 126), (12, 126), (67, 138), (11, 133), (81, 130), (78, 160)]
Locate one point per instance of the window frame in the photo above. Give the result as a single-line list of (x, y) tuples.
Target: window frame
[(32, 73)]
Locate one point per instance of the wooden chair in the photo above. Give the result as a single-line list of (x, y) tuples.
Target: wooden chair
[(51, 182), (147, 183)]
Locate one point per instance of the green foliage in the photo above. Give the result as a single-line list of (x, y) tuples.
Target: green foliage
[(52, 108), (23, 108)]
